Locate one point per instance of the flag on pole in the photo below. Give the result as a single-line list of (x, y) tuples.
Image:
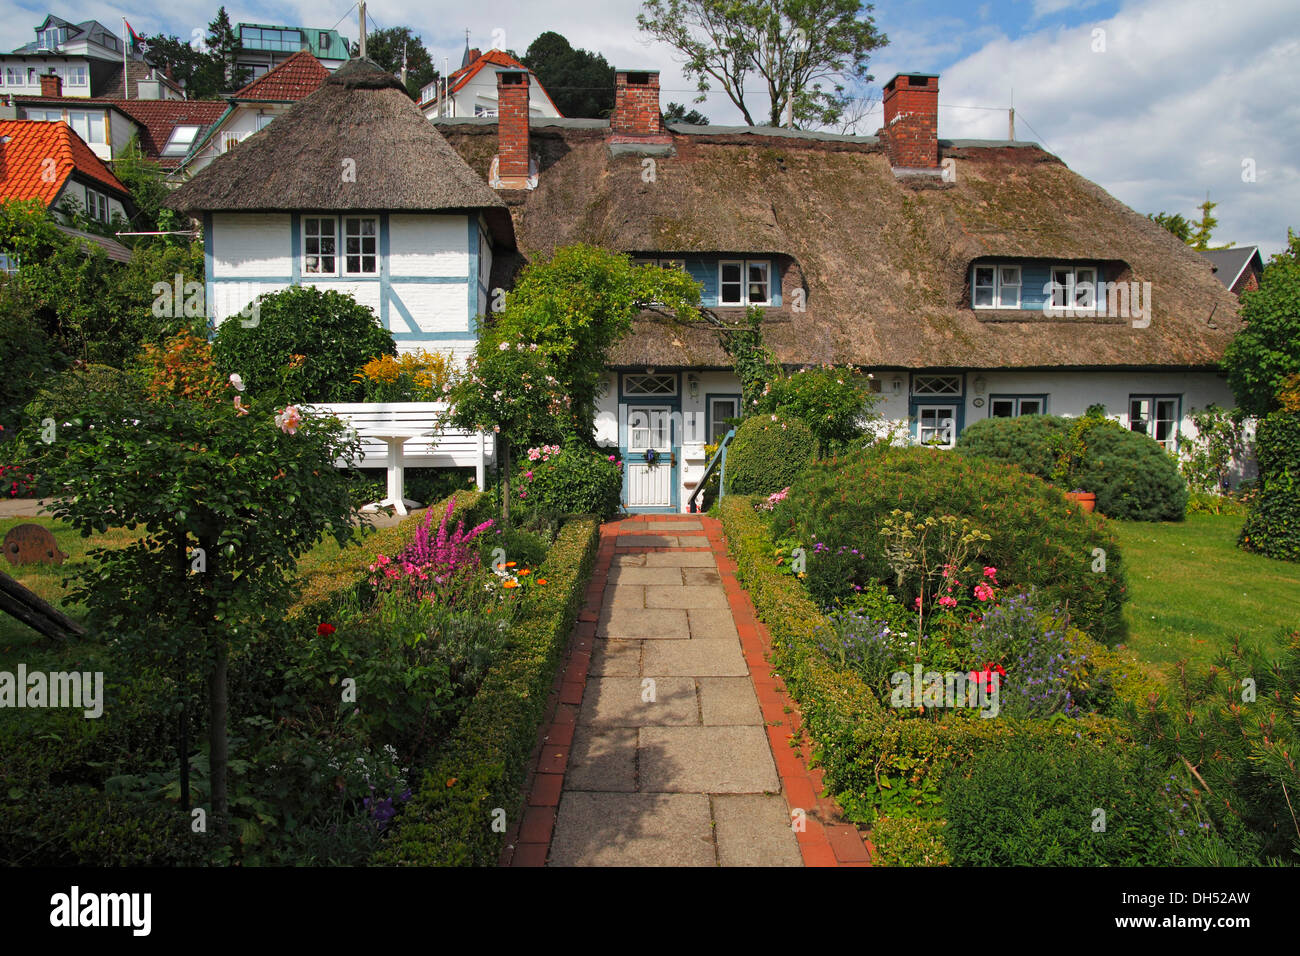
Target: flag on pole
[(137, 41)]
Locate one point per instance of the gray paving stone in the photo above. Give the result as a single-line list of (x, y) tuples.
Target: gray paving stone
[(636, 624), (616, 659), (705, 760), (729, 701), (623, 595), (678, 524), (699, 576), (628, 561), (675, 559), (649, 541), (753, 829), (619, 701), (712, 624), (633, 829), (692, 541), (642, 576), (696, 658), (602, 758), (658, 595)]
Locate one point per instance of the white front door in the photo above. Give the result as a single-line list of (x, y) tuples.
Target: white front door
[(649, 459)]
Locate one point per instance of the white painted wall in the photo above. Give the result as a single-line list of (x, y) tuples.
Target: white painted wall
[(239, 125), (480, 93), (428, 245), (251, 245)]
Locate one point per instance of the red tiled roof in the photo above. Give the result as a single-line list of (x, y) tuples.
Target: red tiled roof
[(25, 145), (457, 80), (295, 78), (157, 119)]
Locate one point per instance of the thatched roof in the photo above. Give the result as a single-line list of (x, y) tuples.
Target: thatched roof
[(885, 262), (360, 118)]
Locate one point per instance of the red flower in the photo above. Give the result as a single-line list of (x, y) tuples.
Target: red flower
[(324, 629)]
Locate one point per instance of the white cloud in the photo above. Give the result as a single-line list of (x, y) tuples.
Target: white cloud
[(1182, 95)]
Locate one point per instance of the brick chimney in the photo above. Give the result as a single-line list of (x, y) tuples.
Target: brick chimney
[(512, 130), (51, 84), (636, 104), (474, 54), (911, 131)]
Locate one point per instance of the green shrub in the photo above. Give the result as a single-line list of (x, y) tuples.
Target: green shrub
[(1034, 803), (1273, 525), (767, 454), (1133, 477), (483, 766), (834, 403), (333, 332), (27, 354), (907, 841), (1029, 442), (576, 481), (1038, 539)]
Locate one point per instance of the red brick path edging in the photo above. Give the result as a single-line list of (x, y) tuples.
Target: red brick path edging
[(824, 840)]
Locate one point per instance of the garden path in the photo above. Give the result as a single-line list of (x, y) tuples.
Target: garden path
[(670, 741)]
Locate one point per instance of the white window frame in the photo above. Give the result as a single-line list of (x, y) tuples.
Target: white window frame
[(173, 141), (924, 385), (998, 289), (951, 422), (1017, 406), (1069, 298), (1150, 423), (633, 388), (344, 223), (8, 263), (97, 205), (89, 118), (335, 252)]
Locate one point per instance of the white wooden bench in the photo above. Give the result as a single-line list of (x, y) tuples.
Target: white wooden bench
[(431, 445)]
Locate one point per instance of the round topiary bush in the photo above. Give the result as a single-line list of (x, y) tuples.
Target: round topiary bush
[(1273, 525), (571, 481), (1038, 539), (1028, 442), (767, 454), (1133, 477), (307, 346)]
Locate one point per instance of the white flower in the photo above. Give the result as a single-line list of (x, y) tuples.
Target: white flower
[(503, 346), (236, 381)]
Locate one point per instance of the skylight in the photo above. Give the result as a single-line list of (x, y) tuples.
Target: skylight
[(182, 139)]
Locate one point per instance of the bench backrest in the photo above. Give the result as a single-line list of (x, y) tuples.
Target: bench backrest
[(448, 447)]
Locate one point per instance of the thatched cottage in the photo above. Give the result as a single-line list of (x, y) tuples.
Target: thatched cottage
[(971, 278)]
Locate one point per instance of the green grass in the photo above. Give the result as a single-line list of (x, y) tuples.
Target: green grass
[(1191, 588)]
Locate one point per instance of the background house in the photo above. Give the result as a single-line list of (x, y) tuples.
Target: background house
[(265, 46), (1238, 269), (472, 89)]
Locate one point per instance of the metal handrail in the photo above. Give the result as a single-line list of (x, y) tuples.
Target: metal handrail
[(719, 459)]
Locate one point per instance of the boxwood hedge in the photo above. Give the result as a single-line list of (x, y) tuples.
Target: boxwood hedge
[(1273, 525), (766, 455)]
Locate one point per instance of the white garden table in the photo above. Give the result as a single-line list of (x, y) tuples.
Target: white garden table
[(395, 438)]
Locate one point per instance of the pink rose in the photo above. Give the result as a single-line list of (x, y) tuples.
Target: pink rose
[(990, 573), (983, 592), (946, 601)]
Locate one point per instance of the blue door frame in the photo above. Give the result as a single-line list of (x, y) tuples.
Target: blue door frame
[(674, 404)]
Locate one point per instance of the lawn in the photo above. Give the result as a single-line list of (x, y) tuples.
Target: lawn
[(1191, 588)]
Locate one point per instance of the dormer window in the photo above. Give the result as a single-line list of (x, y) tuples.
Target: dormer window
[(745, 282), (179, 143), (1073, 287), (996, 286)]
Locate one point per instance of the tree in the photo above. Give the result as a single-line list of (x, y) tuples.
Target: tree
[(195, 69), (581, 84), (198, 473), (1195, 234), (794, 46), (1175, 223), (224, 48), (1266, 351), (387, 48), (676, 113)]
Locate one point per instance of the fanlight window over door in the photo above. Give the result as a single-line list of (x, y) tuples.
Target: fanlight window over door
[(648, 384)]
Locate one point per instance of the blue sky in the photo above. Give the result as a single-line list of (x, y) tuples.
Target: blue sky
[(1179, 99)]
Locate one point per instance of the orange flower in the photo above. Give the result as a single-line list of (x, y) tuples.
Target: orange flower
[(541, 580), (511, 584), (524, 571), (510, 564)]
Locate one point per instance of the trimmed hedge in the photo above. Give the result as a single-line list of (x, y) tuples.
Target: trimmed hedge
[(767, 454), (1037, 538), (482, 767), (1132, 475), (877, 764), (1273, 525)]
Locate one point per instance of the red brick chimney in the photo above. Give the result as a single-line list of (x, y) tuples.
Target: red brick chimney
[(911, 131), (512, 129), (474, 54), (636, 104), (51, 84)]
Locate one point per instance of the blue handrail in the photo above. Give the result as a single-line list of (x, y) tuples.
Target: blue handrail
[(719, 460)]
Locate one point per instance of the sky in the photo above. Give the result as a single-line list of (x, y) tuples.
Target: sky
[(1160, 102)]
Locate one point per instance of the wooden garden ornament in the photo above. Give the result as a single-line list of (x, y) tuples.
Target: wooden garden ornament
[(32, 544)]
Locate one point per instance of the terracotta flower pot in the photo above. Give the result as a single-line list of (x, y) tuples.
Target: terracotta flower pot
[(1086, 499)]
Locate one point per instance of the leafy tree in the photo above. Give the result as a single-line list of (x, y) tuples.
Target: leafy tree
[(224, 47), (386, 47), (147, 183), (1195, 234), (304, 345), (1175, 223), (835, 403), (194, 469), (794, 46), (196, 70), (1266, 351), (676, 113), (580, 83)]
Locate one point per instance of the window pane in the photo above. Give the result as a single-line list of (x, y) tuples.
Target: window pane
[(758, 284), (1085, 288), (1031, 406), (1060, 287), (732, 290), (1009, 287), (1004, 407)]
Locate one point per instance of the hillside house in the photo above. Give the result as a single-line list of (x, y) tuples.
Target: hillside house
[(969, 278)]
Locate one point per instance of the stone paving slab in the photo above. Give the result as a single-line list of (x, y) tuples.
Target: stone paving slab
[(616, 659), (696, 577), (620, 701), (706, 760), (729, 700), (672, 559), (638, 624), (633, 829), (696, 658), (602, 758), (653, 541), (711, 624), (624, 595), (623, 576), (753, 829), (659, 596)]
